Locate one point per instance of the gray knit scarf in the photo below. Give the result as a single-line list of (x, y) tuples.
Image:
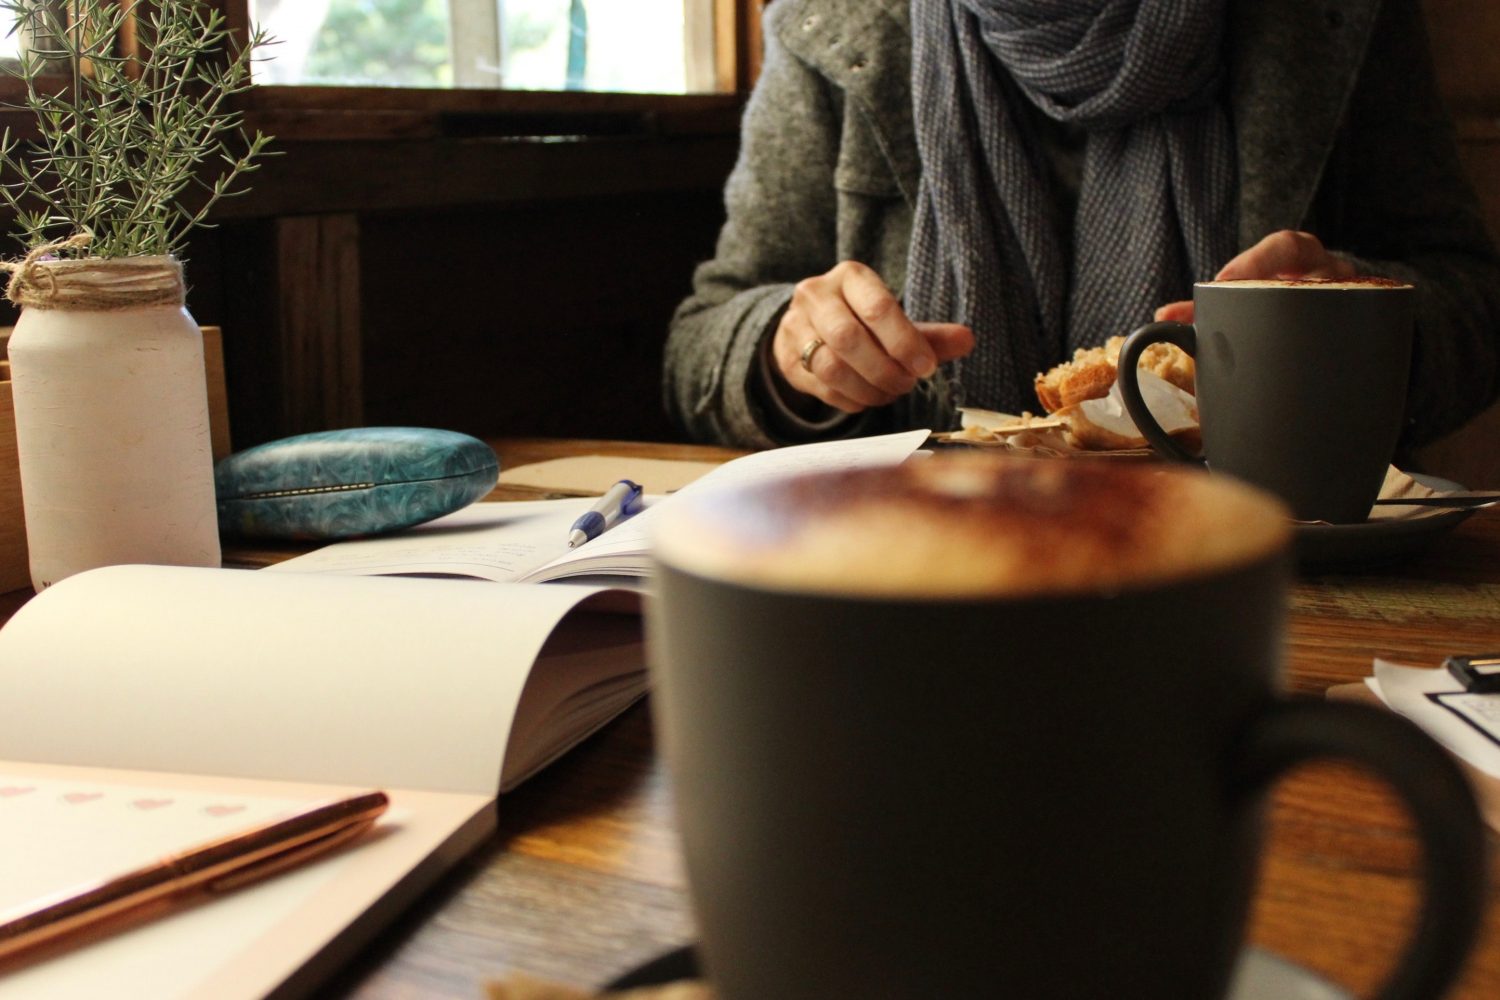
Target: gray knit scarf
[(1156, 208)]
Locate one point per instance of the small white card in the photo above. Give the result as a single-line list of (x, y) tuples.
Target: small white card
[(1468, 724)]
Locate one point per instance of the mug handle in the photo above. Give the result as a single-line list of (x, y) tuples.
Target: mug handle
[(1441, 803), (1185, 337)]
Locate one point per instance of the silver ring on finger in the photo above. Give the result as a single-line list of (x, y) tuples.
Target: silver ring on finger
[(808, 350)]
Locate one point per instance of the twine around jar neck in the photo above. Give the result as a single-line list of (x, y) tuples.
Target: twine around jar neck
[(97, 284)]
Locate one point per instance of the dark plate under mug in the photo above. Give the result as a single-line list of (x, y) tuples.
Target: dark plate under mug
[(1259, 976), (1327, 547)]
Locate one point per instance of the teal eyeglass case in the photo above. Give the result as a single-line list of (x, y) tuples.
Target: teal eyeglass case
[(340, 484)]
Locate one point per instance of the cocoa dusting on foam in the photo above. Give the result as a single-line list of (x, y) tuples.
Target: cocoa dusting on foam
[(1035, 504), (954, 525)]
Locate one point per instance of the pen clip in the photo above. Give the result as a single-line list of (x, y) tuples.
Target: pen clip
[(631, 504)]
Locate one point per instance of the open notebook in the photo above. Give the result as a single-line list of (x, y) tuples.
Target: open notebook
[(144, 710)]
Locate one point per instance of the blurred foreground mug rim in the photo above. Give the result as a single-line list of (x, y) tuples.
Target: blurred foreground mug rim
[(975, 527)]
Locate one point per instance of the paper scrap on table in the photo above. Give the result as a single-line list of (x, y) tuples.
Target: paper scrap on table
[(1468, 724), (593, 474), (1024, 432), (1399, 485)]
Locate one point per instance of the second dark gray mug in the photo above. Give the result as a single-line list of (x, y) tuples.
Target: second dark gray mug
[(1301, 386)]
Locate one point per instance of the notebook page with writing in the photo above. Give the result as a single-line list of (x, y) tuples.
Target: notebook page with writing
[(625, 548), (499, 541)]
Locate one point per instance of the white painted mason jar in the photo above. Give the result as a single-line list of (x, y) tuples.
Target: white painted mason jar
[(111, 408)]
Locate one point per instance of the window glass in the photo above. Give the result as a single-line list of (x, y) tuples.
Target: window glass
[(401, 43), (614, 45), (627, 45), (9, 41)]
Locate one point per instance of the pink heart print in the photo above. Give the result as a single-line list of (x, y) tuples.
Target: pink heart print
[(77, 798), (149, 804), (222, 810), (11, 791)]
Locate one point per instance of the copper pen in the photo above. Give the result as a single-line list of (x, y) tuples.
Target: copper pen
[(218, 866)]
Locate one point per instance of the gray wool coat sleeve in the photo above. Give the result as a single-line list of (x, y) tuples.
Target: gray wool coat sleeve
[(826, 173), (779, 228), (1340, 132)]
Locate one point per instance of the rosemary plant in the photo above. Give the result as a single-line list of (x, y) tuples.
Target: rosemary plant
[(134, 148)]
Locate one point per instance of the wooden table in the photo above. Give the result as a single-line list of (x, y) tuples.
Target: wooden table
[(584, 879)]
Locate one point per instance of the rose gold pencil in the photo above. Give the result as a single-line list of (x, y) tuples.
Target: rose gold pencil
[(217, 866)]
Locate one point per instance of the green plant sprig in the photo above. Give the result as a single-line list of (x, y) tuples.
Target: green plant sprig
[(133, 150)]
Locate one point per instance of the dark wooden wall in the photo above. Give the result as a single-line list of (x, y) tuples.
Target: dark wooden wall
[(1465, 37), (535, 320), (519, 320), (499, 285)]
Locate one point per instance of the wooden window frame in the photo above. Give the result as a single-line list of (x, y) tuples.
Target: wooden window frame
[(490, 146), (318, 113), (332, 113)]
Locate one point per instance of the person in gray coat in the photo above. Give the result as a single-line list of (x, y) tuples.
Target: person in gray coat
[(936, 199)]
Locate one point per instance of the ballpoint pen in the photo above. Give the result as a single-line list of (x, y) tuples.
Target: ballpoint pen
[(218, 866), (618, 502)]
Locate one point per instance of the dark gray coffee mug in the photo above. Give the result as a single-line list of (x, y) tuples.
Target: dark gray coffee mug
[(1301, 387), (1044, 781)]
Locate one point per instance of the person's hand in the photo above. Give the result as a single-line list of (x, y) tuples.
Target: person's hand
[(1284, 254), (846, 341)]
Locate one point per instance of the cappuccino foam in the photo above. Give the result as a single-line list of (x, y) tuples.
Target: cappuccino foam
[(971, 526)]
